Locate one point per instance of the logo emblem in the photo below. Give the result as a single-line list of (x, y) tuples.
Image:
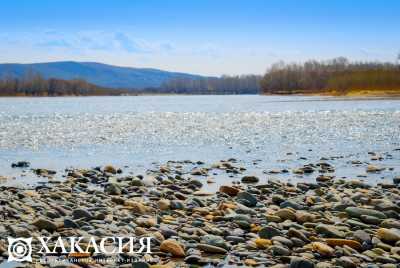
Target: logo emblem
[(19, 249)]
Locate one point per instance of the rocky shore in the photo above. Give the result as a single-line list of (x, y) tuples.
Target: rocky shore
[(252, 222)]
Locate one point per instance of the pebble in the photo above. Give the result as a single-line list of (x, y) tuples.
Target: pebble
[(331, 223), (173, 247), (250, 179), (268, 232), (229, 190), (45, 224), (323, 249), (297, 262), (389, 235)]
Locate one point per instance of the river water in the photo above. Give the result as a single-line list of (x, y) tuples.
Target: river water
[(262, 132)]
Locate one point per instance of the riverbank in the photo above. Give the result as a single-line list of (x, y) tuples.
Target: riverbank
[(256, 221), (353, 94)]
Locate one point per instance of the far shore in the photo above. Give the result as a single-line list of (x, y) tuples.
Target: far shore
[(362, 94)]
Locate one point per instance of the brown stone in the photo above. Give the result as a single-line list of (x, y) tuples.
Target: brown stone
[(229, 190), (172, 246)]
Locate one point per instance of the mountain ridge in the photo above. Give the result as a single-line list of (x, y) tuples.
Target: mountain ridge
[(101, 74)]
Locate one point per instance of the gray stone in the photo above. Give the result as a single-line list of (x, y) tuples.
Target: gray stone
[(357, 212), (247, 199), (329, 231), (80, 213), (279, 251), (250, 179), (113, 189), (211, 249), (214, 240), (42, 223), (301, 263), (68, 223), (268, 232)]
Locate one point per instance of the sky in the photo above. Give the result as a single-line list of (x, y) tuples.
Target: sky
[(209, 37)]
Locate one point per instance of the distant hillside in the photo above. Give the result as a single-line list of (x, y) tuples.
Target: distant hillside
[(96, 73)]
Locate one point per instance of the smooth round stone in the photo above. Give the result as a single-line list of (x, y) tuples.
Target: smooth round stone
[(291, 204), (389, 235), (357, 212), (370, 219), (235, 239), (247, 199), (345, 262), (390, 223), (192, 259), (286, 214), (214, 240), (277, 199), (177, 204), (81, 213), (268, 232), (68, 223), (329, 231), (283, 241), (140, 265), (211, 249), (42, 223), (250, 179), (279, 251), (273, 218), (301, 263), (362, 236)]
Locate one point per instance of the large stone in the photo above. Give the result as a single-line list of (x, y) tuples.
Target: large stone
[(113, 189), (297, 262), (110, 169), (164, 204), (173, 247), (211, 249), (21, 164), (214, 240), (374, 169), (389, 235), (229, 190), (247, 199), (80, 213), (333, 242), (68, 223), (323, 249), (362, 236), (137, 207), (390, 223), (279, 251), (262, 243), (250, 179), (345, 262), (303, 216), (357, 212), (329, 231), (286, 214), (268, 232), (42, 223)]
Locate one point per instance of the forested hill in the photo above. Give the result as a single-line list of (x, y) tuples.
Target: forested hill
[(334, 77), (36, 85), (102, 75)]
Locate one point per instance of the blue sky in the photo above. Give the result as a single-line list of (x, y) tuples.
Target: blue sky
[(211, 37)]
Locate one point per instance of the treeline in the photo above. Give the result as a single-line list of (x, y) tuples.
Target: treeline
[(36, 85), (244, 84), (337, 76)]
